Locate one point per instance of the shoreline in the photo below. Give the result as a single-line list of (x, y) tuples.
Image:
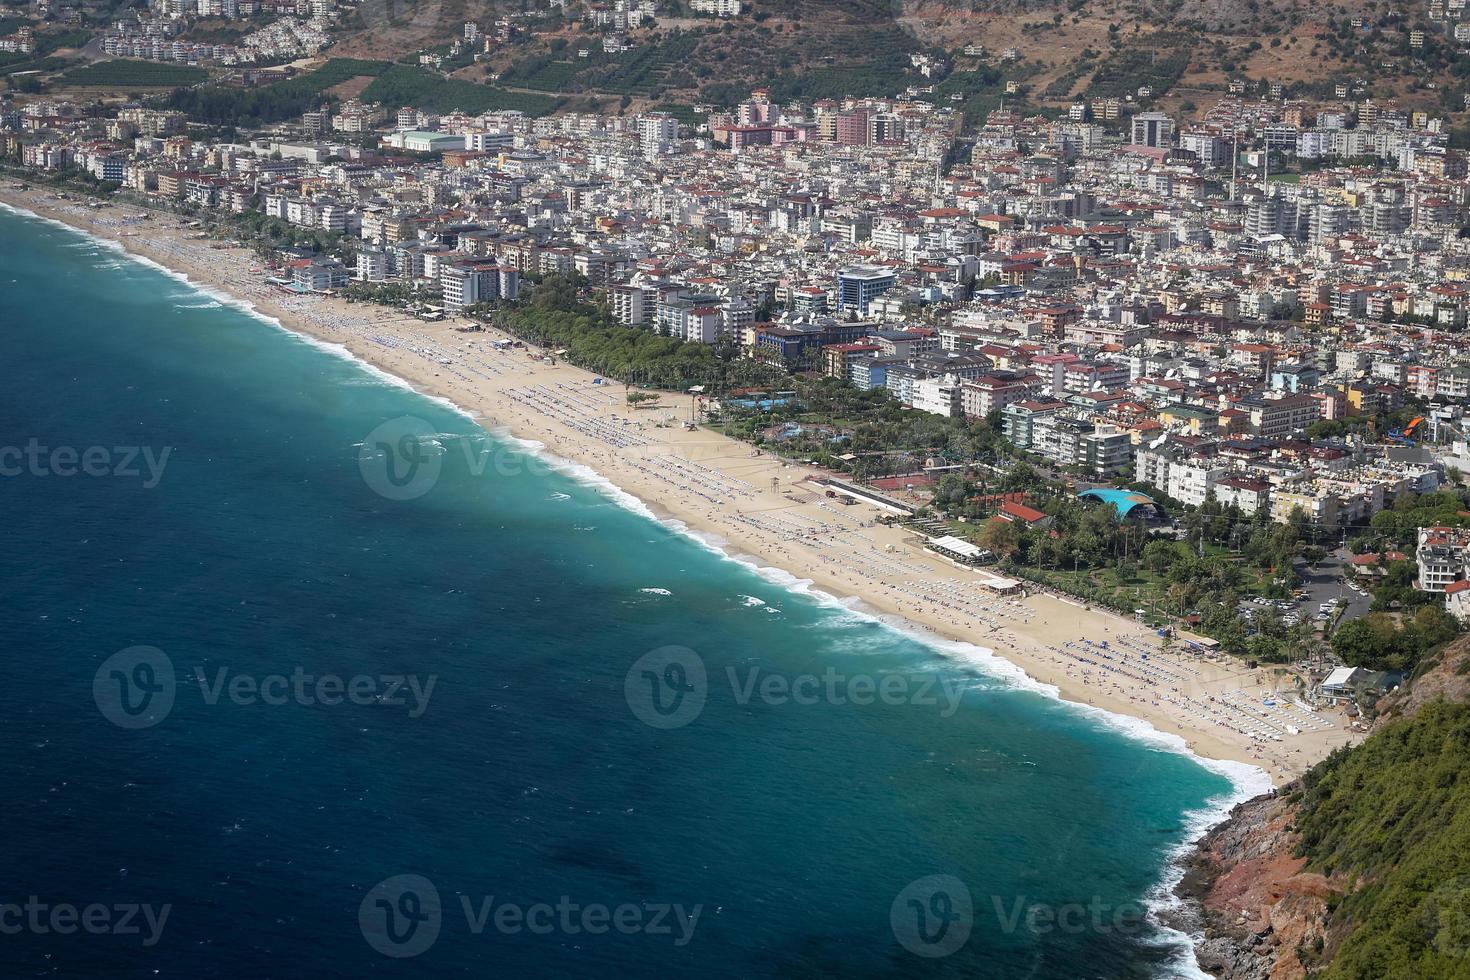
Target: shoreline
[(756, 510)]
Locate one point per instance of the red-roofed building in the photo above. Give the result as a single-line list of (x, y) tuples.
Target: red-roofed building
[(1375, 564), (1021, 514), (1457, 600)]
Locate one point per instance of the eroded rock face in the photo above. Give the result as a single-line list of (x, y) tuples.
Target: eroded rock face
[(1256, 906), (1262, 916)]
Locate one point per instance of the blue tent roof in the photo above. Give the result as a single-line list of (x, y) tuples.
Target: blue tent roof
[(1122, 500)]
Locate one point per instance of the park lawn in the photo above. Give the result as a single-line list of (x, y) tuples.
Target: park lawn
[(1144, 589)]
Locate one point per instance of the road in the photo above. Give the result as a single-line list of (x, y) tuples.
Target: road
[(1324, 581)]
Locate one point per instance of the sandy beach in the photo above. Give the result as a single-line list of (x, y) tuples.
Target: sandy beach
[(764, 510)]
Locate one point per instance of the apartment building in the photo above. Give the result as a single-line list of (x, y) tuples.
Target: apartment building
[(632, 305), (859, 286), (981, 396), (469, 281), (1019, 420), (318, 274), (1442, 554), (1278, 418)]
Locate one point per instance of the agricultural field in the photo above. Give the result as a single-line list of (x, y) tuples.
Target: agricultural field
[(402, 85), (681, 111), (226, 106), (335, 72), (123, 74), (543, 74), (643, 70)]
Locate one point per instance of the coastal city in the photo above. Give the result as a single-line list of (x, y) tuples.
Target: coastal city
[(1289, 350), (1162, 403)]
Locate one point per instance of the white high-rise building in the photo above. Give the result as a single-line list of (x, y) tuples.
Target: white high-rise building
[(372, 265), (1152, 129), (657, 131)]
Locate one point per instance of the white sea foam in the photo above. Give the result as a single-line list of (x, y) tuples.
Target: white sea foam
[(578, 472), (1248, 781)]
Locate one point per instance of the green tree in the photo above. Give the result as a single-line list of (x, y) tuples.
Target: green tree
[(1159, 555)]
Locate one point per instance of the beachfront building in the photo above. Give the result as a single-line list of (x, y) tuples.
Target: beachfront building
[(981, 396), (466, 282), (632, 305), (1097, 450), (1020, 419), (318, 274), (692, 318), (372, 264)]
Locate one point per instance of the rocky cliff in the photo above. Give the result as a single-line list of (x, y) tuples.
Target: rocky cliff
[(1262, 914), (1256, 905)]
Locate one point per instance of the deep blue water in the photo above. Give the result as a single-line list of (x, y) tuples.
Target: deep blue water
[(262, 549)]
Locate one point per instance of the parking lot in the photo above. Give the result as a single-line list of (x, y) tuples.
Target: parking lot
[(1323, 583)]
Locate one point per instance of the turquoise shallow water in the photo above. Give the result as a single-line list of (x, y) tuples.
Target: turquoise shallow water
[(808, 834)]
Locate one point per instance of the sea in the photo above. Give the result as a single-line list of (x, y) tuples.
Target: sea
[(310, 675)]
